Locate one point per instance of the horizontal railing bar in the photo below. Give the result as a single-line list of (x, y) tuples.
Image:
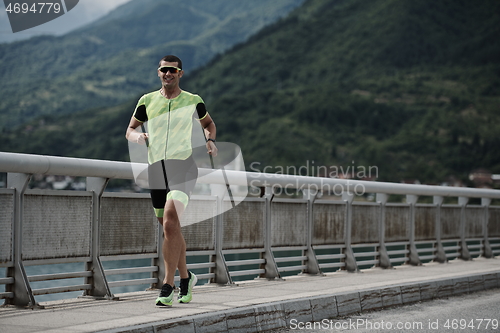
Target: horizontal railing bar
[(292, 268), (55, 261), (66, 193), (247, 272), (55, 165), (451, 248), (355, 246), (245, 262), (365, 254), (200, 253), (59, 276), (6, 295), (238, 251), (129, 257), (328, 247), (398, 252), (131, 270), (123, 283), (288, 248), (55, 290), (7, 280), (199, 276), (201, 265), (288, 259), (332, 265), (397, 244), (330, 256), (7, 264), (452, 254), (426, 250)]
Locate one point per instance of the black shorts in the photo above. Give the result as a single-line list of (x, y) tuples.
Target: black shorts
[(168, 177)]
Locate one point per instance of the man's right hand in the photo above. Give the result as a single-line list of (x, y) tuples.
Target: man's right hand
[(141, 138)]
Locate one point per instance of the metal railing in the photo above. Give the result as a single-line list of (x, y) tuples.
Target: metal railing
[(264, 236)]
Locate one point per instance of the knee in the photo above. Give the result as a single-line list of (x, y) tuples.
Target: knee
[(171, 224)]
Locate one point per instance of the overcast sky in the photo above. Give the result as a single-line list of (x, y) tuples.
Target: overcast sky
[(85, 12)]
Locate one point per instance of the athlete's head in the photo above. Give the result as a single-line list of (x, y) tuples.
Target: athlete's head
[(170, 72)]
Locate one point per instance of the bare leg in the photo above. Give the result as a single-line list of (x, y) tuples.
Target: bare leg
[(174, 246)]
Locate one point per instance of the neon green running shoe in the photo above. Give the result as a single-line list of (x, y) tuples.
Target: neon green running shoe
[(166, 296), (186, 288)]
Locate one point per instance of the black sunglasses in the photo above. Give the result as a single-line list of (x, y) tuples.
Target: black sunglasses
[(171, 69)]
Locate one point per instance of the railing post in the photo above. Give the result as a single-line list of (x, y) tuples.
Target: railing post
[(384, 260), (350, 260), (464, 250), (159, 261), (440, 253), (413, 256), (222, 275), (100, 287), (488, 253), (23, 295), (271, 267), (312, 263)]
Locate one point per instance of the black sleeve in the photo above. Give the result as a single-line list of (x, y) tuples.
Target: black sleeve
[(140, 113), (201, 110)]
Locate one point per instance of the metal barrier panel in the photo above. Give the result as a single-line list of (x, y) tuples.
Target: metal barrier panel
[(128, 225), (425, 222), (57, 224), (244, 225), (329, 223), (6, 218), (474, 221), (450, 222), (396, 222), (365, 223), (288, 222), (494, 222), (199, 236)]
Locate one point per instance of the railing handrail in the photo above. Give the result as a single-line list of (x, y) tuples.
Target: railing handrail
[(79, 167)]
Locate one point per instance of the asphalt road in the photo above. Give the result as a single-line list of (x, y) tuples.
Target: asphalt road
[(477, 312)]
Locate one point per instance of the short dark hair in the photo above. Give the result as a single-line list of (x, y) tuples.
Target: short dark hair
[(171, 58)]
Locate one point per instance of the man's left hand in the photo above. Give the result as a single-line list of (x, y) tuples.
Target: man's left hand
[(212, 148)]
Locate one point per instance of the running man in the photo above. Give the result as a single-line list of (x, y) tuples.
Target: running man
[(172, 171)]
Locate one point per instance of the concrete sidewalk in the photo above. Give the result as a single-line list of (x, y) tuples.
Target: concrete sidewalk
[(259, 305)]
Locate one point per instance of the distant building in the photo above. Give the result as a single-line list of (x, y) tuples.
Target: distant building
[(481, 178)]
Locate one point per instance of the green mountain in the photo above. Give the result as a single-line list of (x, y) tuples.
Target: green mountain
[(111, 60), (408, 88)]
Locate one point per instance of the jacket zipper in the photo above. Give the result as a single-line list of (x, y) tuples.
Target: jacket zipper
[(168, 129)]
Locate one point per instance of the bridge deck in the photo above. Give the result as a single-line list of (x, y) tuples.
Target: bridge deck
[(259, 305)]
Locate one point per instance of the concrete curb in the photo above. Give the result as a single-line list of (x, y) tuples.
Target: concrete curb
[(278, 315)]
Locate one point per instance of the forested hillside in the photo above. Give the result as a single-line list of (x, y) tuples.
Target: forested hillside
[(109, 61), (410, 87)]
